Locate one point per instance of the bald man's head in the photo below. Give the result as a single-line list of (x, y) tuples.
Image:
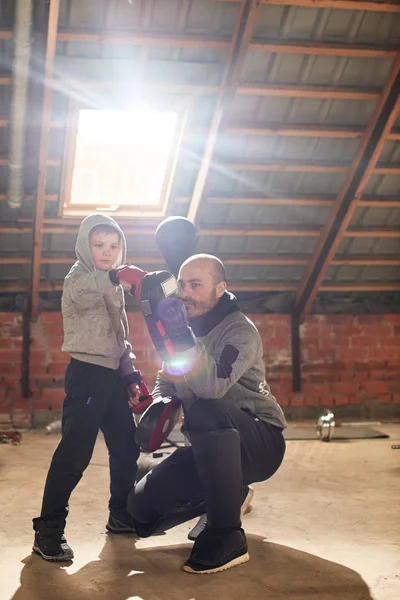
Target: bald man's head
[(202, 282)]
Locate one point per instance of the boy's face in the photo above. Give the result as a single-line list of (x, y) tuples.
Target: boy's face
[(104, 248)]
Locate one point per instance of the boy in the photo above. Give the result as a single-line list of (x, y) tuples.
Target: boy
[(97, 381)]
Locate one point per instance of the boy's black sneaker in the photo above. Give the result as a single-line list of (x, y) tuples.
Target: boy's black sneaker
[(50, 543), (120, 521), (216, 550)]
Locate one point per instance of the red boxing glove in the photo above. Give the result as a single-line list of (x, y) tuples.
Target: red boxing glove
[(129, 274)]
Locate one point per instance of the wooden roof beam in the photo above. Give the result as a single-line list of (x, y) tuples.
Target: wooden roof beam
[(230, 230), (262, 260), (349, 196), (389, 6), (57, 286), (240, 40)]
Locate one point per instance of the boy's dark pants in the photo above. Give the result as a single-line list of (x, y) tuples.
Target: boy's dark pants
[(96, 398)]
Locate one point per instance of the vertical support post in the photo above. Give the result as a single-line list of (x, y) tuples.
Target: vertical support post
[(296, 354)]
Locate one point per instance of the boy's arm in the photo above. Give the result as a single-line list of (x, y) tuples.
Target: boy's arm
[(87, 288), (125, 364)]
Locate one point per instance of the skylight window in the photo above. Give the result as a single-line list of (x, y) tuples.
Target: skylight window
[(120, 161)]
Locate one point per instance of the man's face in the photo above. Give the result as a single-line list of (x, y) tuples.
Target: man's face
[(199, 291), (104, 248)]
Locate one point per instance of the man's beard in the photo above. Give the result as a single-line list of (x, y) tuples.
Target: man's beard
[(198, 309)]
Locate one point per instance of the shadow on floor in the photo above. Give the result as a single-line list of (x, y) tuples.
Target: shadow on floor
[(123, 572)]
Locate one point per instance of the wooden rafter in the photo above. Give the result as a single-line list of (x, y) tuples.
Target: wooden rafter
[(390, 6), (272, 286), (231, 230), (54, 10), (348, 198), (230, 81), (262, 260), (143, 38), (246, 89), (365, 202)]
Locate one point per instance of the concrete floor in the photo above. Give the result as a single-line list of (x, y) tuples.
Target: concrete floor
[(326, 526)]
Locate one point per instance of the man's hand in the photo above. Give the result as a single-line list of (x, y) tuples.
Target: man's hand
[(134, 395)]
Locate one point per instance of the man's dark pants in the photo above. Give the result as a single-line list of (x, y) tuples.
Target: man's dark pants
[(174, 486)]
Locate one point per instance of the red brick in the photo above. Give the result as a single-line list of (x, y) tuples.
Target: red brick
[(394, 386), (393, 365), (348, 331), (369, 319), (38, 370), (10, 381), (347, 375), (7, 317), (312, 401), (340, 319), (5, 343), (55, 343), (341, 400), (54, 330), (51, 317), (386, 398), (369, 341), (375, 374), (345, 387), (43, 381), (57, 369), (41, 404), (375, 387), (352, 354), (316, 389), (283, 400), (395, 397), (355, 399), (53, 394), (38, 356), (9, 356), (384, 352), (59, 357), (297, 400), (379, 331), (392, 319), (10, 368)]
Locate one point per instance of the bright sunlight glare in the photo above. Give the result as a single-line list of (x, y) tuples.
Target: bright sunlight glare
[(121, 157)]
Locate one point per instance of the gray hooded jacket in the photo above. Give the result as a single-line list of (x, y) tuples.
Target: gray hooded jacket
[(93, 308)]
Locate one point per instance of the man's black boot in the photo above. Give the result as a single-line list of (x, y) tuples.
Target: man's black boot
[(201, 524), (222, 544), (50, 542)]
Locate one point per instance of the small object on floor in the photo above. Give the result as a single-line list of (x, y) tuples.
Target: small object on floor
[(50, 543), (54, 427), (326, 425), (202, 522), (10, 437), (217, 550), (120, 522), (395, 446)]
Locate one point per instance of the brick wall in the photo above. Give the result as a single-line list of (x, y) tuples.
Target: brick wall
[(351, 363)]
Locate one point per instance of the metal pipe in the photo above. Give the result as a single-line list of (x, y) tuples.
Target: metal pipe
[(20, 75)]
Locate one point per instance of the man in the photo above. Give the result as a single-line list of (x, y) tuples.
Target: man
[(232, 420)]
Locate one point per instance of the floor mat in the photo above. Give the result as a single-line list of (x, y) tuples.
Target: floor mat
[(344, 432), (306, 432)]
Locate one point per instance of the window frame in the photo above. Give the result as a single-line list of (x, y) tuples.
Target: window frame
[(67, 209)]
